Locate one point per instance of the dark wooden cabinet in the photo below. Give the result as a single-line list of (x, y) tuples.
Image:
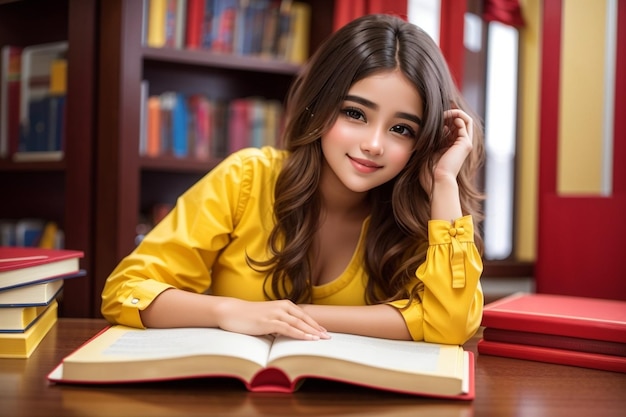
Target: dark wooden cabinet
[(60, 191), (99, 191), (128, 184)]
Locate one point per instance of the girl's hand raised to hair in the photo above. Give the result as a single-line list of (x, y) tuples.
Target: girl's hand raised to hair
[(280, 317), (460, 131)]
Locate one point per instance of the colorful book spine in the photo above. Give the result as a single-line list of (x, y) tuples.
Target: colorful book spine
[(194, 23), (156, 23), (298, 49), (10, 100), (238, 125), (153, 126), (224, 23), (180, 123)]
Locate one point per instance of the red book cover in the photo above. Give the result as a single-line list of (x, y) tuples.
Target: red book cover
[(551, 355), (200, 130), (589, 318), (554, 341), (238, 125), (10, 100), (21, 265), (195, 21)]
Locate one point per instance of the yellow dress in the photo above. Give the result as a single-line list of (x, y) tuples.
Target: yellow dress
[(200, 246)]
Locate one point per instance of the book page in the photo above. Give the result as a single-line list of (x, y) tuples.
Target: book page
[(403, 356), (120, 343)]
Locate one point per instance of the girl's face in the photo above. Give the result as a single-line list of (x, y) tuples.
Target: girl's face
[(372, 139)]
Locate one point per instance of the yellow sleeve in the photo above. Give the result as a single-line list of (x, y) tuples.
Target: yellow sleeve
[(451, 304), (180, 250)]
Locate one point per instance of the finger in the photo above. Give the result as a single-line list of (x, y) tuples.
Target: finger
[(304, 322), (462, 121), (299, 313), (295, 330)]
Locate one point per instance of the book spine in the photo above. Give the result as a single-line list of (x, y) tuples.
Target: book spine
[(553, 341), (166, 128), (170, 23), (224, 22), (180, 138), (202, 115), (195, 19), (181, 19), (156, 23), (10, 100), (153, 126), (562, 326), (238, 125), (557, 356), (298, 50)]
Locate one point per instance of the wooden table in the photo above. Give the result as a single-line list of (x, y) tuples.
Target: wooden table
[(504, 387)]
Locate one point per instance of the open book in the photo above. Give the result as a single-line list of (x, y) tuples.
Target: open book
[(122, 354)]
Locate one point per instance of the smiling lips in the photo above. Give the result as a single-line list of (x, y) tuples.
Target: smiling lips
[(364, 165)]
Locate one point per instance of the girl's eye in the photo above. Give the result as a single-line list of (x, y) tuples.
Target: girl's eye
[(353, 113), (403, 130)]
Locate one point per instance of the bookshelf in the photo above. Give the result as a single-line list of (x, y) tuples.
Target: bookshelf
[(129, 184), (101, 188), (60, 191)]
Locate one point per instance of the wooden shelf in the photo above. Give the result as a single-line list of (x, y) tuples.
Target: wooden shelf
[(173, 164), (216, 60), (40, 166), (61, 190), (508, 269)]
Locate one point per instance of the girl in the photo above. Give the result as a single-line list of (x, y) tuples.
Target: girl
[(363, 224)]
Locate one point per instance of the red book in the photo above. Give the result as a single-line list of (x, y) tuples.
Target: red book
[(578, 344), (551, 355), (200, 126), (195, 24), (22, 265), (239, 125), (560, 315), (10, 100)]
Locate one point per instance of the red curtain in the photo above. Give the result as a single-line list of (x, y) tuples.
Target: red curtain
[(507, 12), (348, 10), (452, 22)]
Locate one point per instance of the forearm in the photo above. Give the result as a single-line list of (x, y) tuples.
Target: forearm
[(178, 308), (379, 320), (445, 202)]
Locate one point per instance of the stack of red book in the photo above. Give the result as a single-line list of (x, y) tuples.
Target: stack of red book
[(567, 330), (31, 285)]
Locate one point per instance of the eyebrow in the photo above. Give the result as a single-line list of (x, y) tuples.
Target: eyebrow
[(370, 104)]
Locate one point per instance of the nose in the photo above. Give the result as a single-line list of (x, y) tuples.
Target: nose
[(372, 143)]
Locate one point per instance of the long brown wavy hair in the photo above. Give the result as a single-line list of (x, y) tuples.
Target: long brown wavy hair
[(397, 237)]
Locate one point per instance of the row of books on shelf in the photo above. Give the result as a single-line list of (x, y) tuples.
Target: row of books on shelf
[(151, 218), (277, 29), (577, 331), (194, 126), (31, 232), (31, 287), (33, 90)]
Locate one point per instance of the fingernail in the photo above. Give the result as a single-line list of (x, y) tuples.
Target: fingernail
[(312, 337)]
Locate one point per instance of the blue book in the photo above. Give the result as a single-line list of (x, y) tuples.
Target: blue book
[(180, 122), (34, 133)]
